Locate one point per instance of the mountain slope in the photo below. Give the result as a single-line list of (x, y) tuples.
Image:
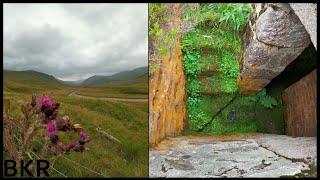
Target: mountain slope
[(30, 77), (136, 76), (31, 82), (117, 78)]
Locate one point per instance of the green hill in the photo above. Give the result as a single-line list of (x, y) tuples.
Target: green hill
[(29, 82), (30, 77), (121, 77)]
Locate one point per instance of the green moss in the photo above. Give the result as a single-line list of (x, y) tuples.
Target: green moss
[(211, 46), (245, 117), (219, 84)]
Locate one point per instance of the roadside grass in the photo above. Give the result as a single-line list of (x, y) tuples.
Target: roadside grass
[(132, 92)]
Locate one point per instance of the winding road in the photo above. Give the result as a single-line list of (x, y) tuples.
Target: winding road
[(108, 99)]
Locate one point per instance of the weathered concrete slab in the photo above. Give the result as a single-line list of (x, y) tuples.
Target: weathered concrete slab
[(293, 148), (257, 156)]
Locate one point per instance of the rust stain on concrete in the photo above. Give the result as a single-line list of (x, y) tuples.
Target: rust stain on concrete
[(167, 103)]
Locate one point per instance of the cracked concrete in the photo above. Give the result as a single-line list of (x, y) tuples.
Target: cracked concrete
[(260, 155)]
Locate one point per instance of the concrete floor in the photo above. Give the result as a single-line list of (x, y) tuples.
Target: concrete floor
[(243, 155)]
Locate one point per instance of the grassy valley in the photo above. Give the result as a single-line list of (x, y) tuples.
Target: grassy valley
[(126, 121)]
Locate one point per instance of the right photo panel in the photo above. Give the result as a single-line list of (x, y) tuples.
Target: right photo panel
[(232, 90)]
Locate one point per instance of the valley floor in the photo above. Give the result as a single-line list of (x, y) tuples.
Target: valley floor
[(110, 99), (126, 121)]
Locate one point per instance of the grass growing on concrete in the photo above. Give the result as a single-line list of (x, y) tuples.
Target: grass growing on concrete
[(216, 69)]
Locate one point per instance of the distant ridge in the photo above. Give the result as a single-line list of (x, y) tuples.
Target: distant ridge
[(118, 77), (30, 77), (33, 77)]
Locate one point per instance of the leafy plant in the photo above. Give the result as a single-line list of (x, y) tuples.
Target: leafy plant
[(191, 64), (264, 99), (194, 87), (229, 65), (228, 85), (235, 14)]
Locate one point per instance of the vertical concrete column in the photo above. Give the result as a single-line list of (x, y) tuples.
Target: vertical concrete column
[(272, 39)]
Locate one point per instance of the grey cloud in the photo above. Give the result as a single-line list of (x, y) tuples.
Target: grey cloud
[(75, 41)]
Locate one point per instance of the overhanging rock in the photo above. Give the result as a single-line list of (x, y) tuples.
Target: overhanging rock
[(273, 38), (307, 13)]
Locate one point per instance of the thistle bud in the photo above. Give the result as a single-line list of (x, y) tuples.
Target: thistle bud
[(54, 138), (63, 124), (62, 147), (81, 142), (83, 135), (49, 111), (79, 149), (53, 149), (54, 115), (87, 139), (73, 144), (34, 102), (9, 126)]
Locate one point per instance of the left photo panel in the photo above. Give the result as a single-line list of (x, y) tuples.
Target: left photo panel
[(75, 90)]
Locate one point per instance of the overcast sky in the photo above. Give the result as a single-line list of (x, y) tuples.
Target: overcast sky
[(75, 41)]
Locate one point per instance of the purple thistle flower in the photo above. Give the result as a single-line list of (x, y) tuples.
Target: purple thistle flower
[(83, 135), (51, 128), (46, 102), (34, 102)]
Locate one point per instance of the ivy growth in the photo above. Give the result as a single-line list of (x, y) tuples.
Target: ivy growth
[(264, 99)]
